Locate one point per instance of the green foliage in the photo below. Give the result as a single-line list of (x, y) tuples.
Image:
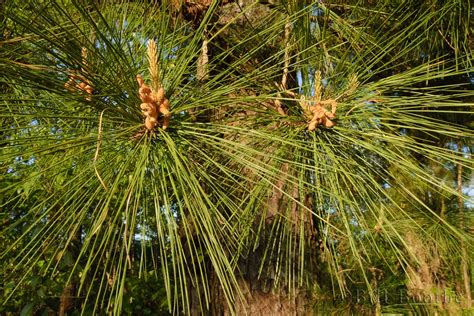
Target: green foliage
[(142, 223)]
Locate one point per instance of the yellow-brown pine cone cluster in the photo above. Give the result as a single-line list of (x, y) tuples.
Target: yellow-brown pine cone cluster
[(154, 104), (321, 116), (77, 82)]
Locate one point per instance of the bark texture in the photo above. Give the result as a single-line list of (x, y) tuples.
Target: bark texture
[(258, 302)]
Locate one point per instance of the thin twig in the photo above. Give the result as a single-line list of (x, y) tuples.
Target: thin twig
[(203, 60), (284, 78), (446, 40), (99, 141)]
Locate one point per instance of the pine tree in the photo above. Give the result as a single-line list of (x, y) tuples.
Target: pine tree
[(235, 157)]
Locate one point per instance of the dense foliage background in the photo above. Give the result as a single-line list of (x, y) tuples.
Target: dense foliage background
[(238, 206)]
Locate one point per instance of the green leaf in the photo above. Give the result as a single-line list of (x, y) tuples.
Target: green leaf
[(27, 310)]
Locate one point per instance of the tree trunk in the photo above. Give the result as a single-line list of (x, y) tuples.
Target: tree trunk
[(65, 301), (258, 302), (262, 274), (260, 296), (263, 289)]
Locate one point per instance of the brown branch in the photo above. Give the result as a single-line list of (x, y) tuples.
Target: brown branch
[(202, 72), (284, 78)]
